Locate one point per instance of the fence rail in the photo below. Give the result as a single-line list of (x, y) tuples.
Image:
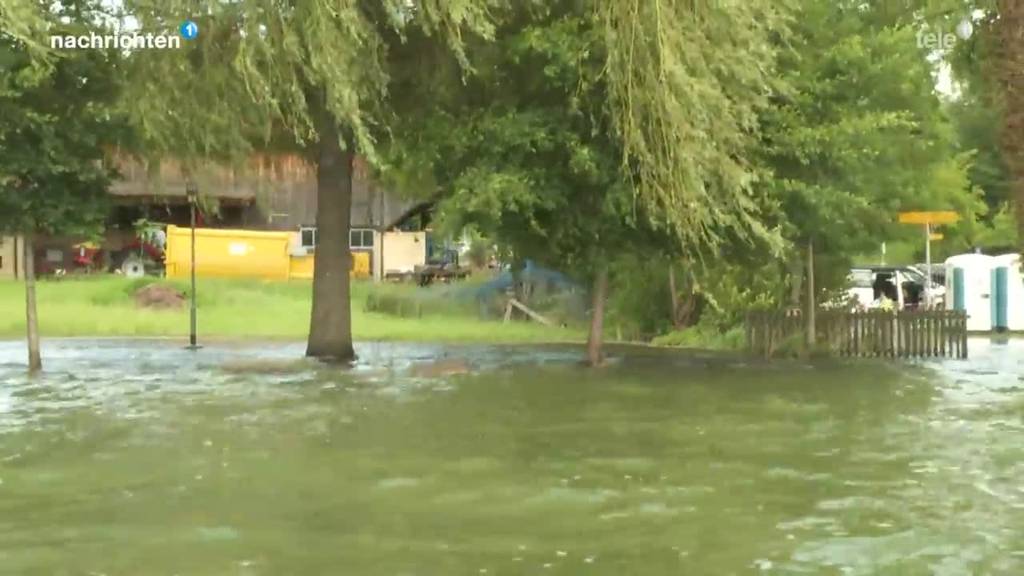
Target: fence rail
[(865, 334)]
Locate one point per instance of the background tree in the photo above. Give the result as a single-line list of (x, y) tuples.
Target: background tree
[(572, 154), (859, 134), (310, 76), (56, 121), (990, 106)]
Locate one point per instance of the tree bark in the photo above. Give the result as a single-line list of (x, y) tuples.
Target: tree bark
[(809, 313), (673, 296), (596, 337), (795, 272), (330, 326), (1009, 52), (519, 289), (35, 362)]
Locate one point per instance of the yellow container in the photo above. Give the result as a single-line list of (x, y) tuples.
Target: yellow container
[(302, 266), (244, 254), (228, 253), (360, 264)]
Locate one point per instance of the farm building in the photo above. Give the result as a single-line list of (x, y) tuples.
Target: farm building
[(11, 265), (266, 193)]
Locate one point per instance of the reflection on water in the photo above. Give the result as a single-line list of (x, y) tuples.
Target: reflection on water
[(140, 458)]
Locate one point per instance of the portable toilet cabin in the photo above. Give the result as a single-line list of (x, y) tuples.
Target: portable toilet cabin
[(969, 288), (1007, 293)]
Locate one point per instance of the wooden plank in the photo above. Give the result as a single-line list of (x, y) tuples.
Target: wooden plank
[(873, 327), (928, 334), (530, 313), (947, 341), (912, 333), (922, 336), (963, 334), (856, 333)]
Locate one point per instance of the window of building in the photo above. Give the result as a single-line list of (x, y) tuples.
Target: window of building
[(307, 237), (360, 239)]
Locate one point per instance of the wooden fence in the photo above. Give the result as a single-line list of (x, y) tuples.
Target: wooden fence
[(873, 333)]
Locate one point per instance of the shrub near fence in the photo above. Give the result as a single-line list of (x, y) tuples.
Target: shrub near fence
[(865, 334)]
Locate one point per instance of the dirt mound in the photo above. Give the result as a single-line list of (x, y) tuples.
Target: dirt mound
[(159, 296)]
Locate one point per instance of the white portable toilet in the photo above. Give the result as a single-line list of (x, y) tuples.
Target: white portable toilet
[(969, 288), (1008, 293)]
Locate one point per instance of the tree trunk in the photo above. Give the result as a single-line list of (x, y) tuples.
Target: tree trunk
[(674, 297), (1009, 51), (330, 326), (594, 340), (809, 313), (795, 271), (35, 362), (519, 291)]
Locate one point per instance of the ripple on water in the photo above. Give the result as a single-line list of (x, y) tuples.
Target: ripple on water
[(397, 482), (860, 555)]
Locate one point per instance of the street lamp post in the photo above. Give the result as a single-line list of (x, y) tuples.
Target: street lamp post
[(192, 192)]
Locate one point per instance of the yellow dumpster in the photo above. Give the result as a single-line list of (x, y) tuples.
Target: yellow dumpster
[(228, 253), (360, 264), (244, 254), (302, 266)]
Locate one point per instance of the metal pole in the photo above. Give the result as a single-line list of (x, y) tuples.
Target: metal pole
[(928, 264), (192, 316)]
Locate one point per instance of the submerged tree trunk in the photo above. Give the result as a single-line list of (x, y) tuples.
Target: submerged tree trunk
[(35, 362), (330, 326), (596, 337), (809, 313)]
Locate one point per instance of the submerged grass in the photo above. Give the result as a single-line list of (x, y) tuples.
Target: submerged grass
[(103, 306)]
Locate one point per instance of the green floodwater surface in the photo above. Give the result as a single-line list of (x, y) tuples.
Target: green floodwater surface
[(139, 458)]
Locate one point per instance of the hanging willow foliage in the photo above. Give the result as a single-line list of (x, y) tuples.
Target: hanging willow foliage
[(21, 21), (258, 65), (686, 80)]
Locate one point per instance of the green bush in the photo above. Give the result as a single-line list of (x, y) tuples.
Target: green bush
[(704, 336), (395, 305)]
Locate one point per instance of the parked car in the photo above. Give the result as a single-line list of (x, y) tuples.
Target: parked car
[(904, 286), (938, 273)]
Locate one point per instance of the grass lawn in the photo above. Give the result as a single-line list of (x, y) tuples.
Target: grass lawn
[(103, 305)]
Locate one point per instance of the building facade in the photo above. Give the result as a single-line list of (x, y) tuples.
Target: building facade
[(265, 193), (11, 258)]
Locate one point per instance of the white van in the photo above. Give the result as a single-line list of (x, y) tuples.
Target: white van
[(903, 285)]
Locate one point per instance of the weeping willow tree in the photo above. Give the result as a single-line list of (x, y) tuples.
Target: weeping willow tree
[(21, 20), (686, 80), (599, 129), (310, 75)]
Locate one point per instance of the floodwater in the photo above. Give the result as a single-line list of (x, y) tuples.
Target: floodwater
[(139, 458)]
